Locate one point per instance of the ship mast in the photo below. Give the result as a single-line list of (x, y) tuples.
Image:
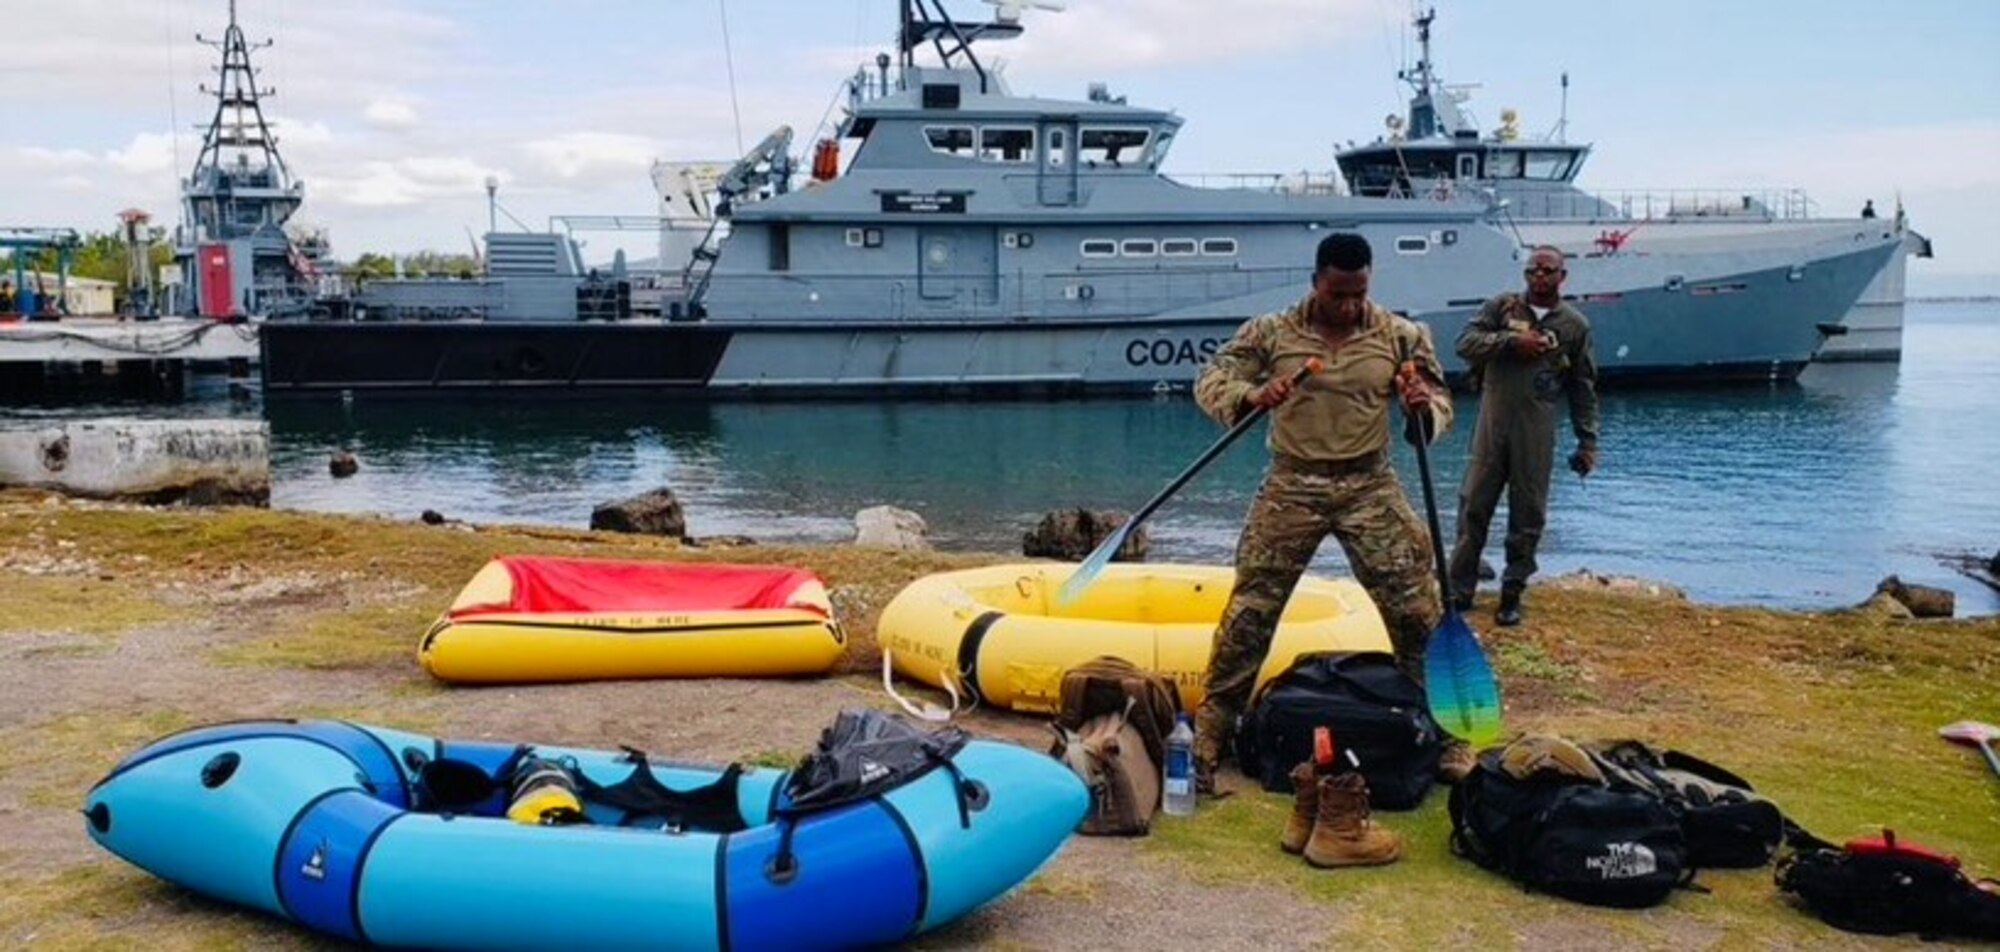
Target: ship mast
[(232, 252), (953, 38), (1423, 108), (238, 151)]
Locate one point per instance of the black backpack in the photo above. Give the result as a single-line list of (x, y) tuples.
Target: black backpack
[(1882, 887), (1570, 838), (1372, 708), (1727, 824)]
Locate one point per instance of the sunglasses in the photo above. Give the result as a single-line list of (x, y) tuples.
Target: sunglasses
[(1540, 269)]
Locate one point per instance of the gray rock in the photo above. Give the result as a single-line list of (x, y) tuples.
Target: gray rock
[(887, 527), (1881, 603), (1587, 581), (1993, 564), (1072, 534), (653, 513), (721, 541), (343, 464), (1923, 601)]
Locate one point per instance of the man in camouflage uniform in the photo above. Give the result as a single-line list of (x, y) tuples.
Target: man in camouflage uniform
[(1329, 474), (1531, 351)]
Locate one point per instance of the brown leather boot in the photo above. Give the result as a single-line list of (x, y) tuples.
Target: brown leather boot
[(1305, 808), (1343, 835)]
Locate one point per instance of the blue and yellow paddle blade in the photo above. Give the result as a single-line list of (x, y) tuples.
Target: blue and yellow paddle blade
[(1093, 566), (1459, 683)]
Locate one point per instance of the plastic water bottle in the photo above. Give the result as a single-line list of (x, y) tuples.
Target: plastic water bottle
[(1177, 781)]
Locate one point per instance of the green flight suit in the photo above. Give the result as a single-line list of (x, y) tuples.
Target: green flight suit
[(1513, 445)]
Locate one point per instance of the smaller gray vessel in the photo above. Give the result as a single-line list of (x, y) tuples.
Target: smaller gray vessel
[(1436, 148)]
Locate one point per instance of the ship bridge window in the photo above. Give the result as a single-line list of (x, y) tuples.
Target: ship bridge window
[(1177, 247), (1099, 248), (1503, 163), (1139, 248), (1161, 144), (1549, 166), (1006, 144), (1107, 146), (950, 140), (1218, 247)]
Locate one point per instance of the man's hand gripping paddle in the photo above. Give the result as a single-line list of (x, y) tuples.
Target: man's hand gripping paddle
[(1458, 681), (1094, 564)]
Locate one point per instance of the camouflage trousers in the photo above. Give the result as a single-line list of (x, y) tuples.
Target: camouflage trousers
[(1299, 505)]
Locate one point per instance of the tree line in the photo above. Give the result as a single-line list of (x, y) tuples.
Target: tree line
[(106, 256)]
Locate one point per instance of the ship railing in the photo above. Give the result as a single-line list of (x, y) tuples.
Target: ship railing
[(1766, 203), (1082, 294), (1282, 183)]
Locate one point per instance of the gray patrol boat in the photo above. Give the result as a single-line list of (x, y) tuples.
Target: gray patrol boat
[(235, 254), (983, 242), (1437, 148)]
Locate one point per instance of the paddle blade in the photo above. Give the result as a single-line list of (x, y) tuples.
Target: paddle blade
[(1463, 694), (1092, 567), (1969, 733)]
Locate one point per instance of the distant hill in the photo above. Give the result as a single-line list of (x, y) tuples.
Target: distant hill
[(1925, 286)]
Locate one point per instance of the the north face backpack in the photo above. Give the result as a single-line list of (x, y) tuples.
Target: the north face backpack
[(1374, 711), (1727, 824), (1886, 887), (1111, 731), (1569, 837)]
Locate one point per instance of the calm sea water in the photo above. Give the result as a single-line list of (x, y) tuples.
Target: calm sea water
[(1795, 496)]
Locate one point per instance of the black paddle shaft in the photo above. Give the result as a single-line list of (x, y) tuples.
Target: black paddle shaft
[(1208, 455), (1430, 493)]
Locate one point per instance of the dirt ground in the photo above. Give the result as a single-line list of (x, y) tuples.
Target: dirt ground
[(118, 624)]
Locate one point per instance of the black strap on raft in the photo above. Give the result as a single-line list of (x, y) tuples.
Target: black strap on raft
[(447, 785), (648, 802)]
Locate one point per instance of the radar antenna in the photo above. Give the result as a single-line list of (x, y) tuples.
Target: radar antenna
[(927, 21)]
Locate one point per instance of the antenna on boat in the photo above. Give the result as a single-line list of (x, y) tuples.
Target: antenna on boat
[(1421, 77), (927, 21), (1562, 121)]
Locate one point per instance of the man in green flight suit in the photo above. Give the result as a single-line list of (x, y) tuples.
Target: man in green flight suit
[(1329, 474), (1531, 352)]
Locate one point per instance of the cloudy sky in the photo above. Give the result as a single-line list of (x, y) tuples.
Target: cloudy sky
[(394, 112)]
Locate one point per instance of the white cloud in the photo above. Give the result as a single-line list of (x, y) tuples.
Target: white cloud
[(72, 183), (149, 153), (1111, 35), (579, 154), (293, 133), (402, 182), (40, 158), (391, 114)]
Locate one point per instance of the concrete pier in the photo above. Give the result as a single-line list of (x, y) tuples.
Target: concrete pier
[(81, 357), (107, 339), (201, 462)]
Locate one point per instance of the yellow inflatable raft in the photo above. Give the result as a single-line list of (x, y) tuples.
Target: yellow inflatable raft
[(548, 619), (997, 630)]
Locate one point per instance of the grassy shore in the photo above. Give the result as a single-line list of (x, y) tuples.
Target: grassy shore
[(118, 623)]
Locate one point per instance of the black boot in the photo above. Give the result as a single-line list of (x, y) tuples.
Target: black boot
[(1509, 614)]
